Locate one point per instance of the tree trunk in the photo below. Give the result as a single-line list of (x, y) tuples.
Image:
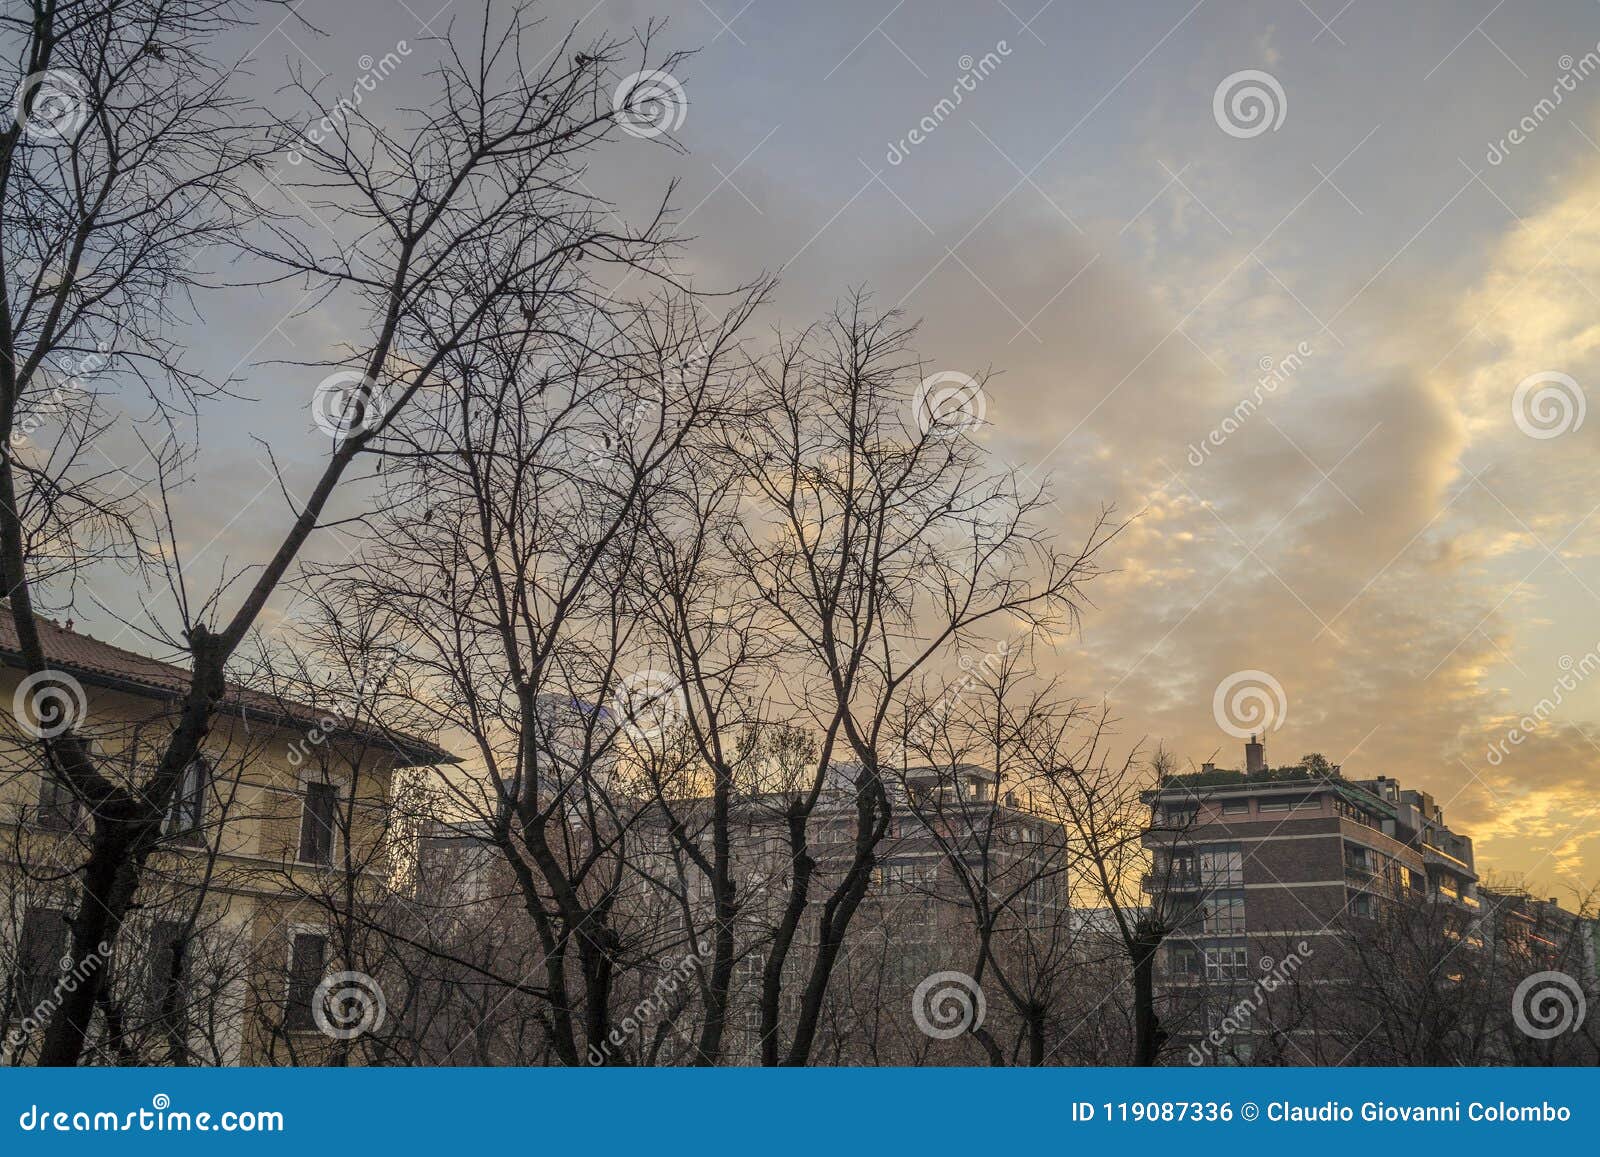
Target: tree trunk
[(1149, 1036)]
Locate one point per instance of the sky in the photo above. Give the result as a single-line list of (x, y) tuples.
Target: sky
[(1327, 345)]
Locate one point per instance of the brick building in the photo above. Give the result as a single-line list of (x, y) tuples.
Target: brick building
[(1301, 865)]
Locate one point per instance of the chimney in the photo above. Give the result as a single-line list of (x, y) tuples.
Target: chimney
[(1255, 756)]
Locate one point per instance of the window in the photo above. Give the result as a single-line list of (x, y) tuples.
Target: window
[(1354, 814), (1223, 917), (1364, 905), (316, 823), (1221, 867), (169, 971), (747, 972), (58, 807), (1185, 961), (44, 942), (1236, 807), (1273, 805), (1227, 963), (306, 962), (187, 813), (1179, 817)]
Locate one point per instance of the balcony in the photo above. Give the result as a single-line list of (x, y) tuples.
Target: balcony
[(1154, 882)]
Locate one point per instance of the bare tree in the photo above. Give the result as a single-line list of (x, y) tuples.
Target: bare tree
[(476, 210), (876, 539)]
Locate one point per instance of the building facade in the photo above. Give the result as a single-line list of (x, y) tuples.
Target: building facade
[(285, 813), (1299, 901)]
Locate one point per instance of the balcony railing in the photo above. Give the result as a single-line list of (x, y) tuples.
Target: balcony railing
[(1154, 882)]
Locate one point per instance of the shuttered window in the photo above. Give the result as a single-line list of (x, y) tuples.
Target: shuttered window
[(306, 962)]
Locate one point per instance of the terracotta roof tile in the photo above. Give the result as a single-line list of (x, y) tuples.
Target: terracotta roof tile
[(85, 656)]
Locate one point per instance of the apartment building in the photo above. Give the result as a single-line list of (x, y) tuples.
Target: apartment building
[(287, 806), (1263, 867), (955, 836), (1289, 852)]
